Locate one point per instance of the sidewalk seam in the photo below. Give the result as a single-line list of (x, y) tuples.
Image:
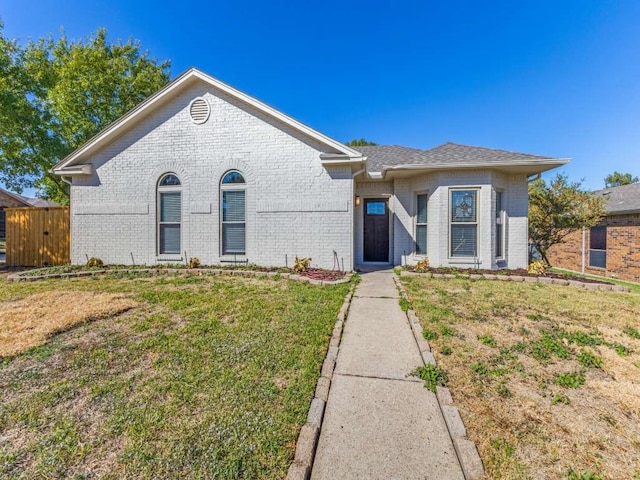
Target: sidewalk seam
[(466, 450), (309, 435)]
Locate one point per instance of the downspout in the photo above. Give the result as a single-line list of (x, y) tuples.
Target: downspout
[(584, 242)]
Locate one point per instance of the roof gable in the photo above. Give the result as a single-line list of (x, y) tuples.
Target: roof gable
[(69, 165)]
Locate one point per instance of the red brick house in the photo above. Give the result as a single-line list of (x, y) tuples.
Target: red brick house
[(611, 248)]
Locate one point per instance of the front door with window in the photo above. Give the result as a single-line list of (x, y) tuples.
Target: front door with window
[(376, 230)]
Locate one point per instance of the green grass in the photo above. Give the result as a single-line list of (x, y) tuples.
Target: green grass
[(211, 377)]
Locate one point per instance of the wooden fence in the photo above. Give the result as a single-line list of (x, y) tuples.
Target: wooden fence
[(37, 237)]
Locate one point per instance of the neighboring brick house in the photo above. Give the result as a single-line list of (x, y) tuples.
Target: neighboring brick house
[(613, 247), (13, 200), (202, 170)]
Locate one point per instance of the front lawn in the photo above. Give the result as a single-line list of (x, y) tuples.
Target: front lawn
[(546, 377), (194, 377)]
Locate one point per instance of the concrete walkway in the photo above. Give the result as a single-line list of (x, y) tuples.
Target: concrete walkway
[(379, 422)]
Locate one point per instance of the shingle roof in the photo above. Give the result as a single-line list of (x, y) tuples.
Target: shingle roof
[(446, 154), (34, 202), (623, 199)]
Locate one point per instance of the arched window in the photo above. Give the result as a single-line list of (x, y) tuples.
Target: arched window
[(233, 218), (169, 214)]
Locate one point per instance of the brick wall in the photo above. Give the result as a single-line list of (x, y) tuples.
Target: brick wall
[(295, 205), (623, 249)]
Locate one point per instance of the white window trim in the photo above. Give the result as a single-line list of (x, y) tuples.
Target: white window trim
[(167, 189), (475, 258), (416, 224), (501, 218), (233, 187)]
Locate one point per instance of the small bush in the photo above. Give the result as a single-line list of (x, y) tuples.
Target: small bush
[(94, 262), (446, 350), (538, 267), (432, 376), (422, 266), (301, 265), (194, 262)]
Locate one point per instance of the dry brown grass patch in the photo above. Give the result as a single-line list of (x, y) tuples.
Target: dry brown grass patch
[(30, 321), (525, 424)]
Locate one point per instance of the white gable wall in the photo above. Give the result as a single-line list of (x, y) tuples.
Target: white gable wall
[(295, 206)]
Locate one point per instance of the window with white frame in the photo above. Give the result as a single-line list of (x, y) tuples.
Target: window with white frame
[(233, 218), (500, 215), (421, 224), (169, 214), (463, 224), (598, 247)]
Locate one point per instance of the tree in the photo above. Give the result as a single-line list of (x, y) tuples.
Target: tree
[(558, 209), (360, 143), (57, 94), (616, 179)]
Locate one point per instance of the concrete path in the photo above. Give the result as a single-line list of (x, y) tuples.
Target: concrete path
[(379, 422)]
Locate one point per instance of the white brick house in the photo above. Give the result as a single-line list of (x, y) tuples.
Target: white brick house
[(203, 170)]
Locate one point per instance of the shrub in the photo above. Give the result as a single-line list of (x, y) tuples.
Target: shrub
[(422, 266), (537, 267), (301, 265), (94, 262), (194, 262)]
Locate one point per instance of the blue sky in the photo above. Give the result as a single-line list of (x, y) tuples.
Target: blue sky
[(558, 78)]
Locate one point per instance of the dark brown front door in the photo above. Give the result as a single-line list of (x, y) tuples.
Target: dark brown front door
[(376, 230)]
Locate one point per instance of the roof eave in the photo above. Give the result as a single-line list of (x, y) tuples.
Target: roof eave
[(531, 167), (73, 170)]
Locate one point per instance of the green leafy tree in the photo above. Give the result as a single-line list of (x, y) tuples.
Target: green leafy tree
[(361, 143), (617, 179), (57, 94), (559, 208)]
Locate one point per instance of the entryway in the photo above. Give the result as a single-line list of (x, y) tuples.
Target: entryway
[(376, 230)]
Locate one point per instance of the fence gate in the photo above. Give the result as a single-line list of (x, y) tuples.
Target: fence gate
[(37, 237)]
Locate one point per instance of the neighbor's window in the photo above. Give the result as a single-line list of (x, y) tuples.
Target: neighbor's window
[(464, 223), (598, 247), (421, 224), (233, 219), (169, 214), (500, 214)]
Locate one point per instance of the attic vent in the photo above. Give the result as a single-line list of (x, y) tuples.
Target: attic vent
[(199, 110)]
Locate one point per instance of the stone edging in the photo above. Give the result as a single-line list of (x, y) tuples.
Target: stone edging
[(519, 278), (466, 450), (17, 277), (307, 442)]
